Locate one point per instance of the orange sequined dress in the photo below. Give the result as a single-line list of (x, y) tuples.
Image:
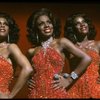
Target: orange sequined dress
[(87, 86), (46, 65), (6, 73)]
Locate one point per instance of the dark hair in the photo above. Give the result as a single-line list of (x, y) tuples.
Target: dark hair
[(70, 30), (32, 27), (13, 28)]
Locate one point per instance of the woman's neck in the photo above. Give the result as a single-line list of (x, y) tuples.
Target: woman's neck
[(82, 39), (2, 44), (3, 39), (44, 38)]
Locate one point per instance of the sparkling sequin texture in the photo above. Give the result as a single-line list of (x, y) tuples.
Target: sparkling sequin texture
[(46, 66), (87, 86), (6, 73)]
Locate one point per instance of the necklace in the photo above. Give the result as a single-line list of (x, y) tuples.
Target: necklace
[(46, 44), (3, 44)]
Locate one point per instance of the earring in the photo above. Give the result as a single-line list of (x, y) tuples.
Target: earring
[(8, 38), (37, 37)]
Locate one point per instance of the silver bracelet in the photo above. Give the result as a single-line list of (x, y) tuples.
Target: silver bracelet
[(74, 75)]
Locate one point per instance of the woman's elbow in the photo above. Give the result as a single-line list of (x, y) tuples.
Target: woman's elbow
[(88, 59), (28, 70)]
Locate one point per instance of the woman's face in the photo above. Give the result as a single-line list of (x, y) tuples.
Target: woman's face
[(81, 25), (4, 28), (45, 25)]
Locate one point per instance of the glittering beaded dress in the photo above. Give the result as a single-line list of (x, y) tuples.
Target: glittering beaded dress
[(47, 64), (6, 73), (87, 86)]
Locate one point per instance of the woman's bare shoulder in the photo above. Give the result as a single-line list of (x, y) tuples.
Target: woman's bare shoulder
[(33, 51)]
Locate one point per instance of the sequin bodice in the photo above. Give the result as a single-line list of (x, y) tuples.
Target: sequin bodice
[(94, 66), (6, 73), (87, 86), (51, 61), (46, 65)]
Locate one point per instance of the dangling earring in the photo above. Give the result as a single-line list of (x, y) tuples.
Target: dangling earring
[(75, 37), (37, 37), (8, 39), (53, 35)]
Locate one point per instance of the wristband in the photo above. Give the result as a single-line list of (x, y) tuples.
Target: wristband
[(74, 75)]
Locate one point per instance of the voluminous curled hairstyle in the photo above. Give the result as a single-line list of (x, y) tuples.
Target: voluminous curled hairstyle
[(70, 30), (13, 28), (32, 26)]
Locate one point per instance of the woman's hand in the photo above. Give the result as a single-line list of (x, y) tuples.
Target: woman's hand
[(98, 80), (61, 83), (4, 95), (86, 44), (31, 84)]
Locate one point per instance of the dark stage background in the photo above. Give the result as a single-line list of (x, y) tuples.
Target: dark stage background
[(21, 11)]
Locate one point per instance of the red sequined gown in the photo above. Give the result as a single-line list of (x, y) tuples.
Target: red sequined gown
[(46, 65), (87, 86), (6, 73)]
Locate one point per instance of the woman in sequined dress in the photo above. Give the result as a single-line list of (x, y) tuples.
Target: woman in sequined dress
[(9, 53), (81, 31), (47, 56)]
